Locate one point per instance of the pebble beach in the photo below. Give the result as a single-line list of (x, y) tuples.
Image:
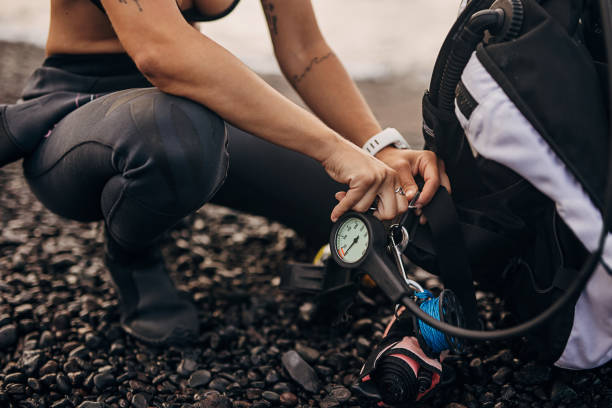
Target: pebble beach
[(61, 345)]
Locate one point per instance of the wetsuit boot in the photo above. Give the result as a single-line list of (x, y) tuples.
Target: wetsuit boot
[(152, 309)]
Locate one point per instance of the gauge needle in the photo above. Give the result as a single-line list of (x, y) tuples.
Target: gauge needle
[(354, 242)]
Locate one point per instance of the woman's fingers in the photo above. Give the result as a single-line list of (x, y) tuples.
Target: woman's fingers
[(428, 168), (388, 203), (359, 197)]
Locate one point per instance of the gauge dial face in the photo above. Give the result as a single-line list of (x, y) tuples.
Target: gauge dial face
[(352, 240)]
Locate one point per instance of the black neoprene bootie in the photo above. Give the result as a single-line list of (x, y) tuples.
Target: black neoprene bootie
[(152, 309)]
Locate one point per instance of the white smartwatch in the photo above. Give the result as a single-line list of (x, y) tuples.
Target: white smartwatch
[(389, 136)]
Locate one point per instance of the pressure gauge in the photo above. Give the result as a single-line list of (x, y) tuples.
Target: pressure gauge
[(359, 241), (350, 239)]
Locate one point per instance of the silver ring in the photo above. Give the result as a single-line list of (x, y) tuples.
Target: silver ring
[(400, 191)]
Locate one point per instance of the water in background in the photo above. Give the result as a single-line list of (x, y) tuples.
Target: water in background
[(374, 38)]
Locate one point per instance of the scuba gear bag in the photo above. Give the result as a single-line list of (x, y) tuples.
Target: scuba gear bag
[(517, 109)]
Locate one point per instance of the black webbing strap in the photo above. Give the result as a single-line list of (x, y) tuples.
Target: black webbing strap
[(451, 254)]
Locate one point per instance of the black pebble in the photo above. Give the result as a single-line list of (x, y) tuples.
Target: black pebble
[(270, 396), (63, 383), (8, 336), (103, 380), (139, 401), (218, 384), (300, 371), (199, 378)]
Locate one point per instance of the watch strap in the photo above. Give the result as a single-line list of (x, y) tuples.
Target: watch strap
[(387, 137)]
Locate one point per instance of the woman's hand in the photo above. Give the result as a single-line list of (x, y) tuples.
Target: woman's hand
[(408, 163), (367, 178)]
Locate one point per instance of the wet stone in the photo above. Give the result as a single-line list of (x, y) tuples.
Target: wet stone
[(92, 341), (218, 384), (324, 370), (126, 376), (253, 393), (329, 402), (79, 352), (48, 379), (8, 336), (300, 371), (507, 392), (34, 384), (215, 400), (476, 368), (103, 380), (29, 362), (23, 311), (76, 378), (533, 373), (17, 377), (309, 354), (261, 404), (504, 356), (340, 393), (288, 399), (199, 378), (46, 339), (270, 396), (13, 389), (63, 403), (362, 325), (61, 320), (186, 367), (487, 397), (337, 361), (562, 392), (272, 377), (5, 319), (281, 387), (63, 383), (48, 368), (139, 401), (71, 365), (117, 349), (500, 376)]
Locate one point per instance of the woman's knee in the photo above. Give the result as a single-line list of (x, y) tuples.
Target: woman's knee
[(185, 148)]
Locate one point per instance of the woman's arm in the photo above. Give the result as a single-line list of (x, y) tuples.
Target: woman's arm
[(181, 61), (319, 77)]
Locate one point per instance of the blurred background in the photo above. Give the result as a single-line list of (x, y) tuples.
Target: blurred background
[(388, 46), (375, 38)]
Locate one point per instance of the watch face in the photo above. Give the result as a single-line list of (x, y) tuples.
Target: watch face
[(352, 240)]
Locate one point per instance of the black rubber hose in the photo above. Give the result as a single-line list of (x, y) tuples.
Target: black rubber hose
[(468, 39), (578, 284)]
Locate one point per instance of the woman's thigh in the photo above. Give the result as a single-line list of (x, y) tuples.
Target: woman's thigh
[(134, 155), (280, 184)]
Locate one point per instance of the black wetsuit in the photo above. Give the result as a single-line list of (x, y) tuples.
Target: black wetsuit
[(101, 143)]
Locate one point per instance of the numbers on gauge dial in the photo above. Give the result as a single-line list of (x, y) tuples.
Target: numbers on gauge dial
[(352, 240)]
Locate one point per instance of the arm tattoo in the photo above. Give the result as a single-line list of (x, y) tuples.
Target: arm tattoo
[(137, 2), (271, 17), (316, 60)]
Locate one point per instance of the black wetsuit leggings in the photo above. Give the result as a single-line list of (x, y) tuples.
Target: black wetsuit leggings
[(142, 160)]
